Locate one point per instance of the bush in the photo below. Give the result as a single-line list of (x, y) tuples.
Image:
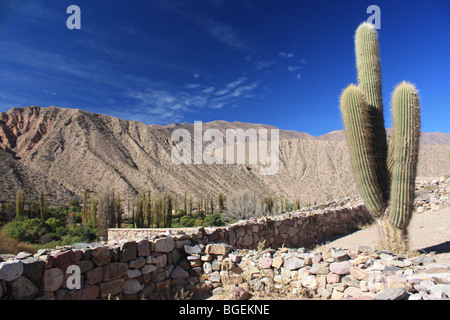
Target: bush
[(244, 206), (187, 221), (26, 230), (214, 219), (54, 224)]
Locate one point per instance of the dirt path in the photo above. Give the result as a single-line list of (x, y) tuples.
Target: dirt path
[(428, 231)]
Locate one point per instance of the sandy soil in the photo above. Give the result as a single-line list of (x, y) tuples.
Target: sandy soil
[(428, 231)]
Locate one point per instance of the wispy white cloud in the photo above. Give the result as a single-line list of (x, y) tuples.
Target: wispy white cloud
[(286, 55), (221, 31), (209, 90), (172, 105), (262, 64), (236, 83), (293, 68)]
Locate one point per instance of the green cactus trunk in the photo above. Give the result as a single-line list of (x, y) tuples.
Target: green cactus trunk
[(383, 176), (369, 80)]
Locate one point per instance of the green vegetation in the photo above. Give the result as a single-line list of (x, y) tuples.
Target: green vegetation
[(63, 227), (45, 226)]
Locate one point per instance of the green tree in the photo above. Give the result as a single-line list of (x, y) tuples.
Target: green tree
[(42, 206), (20, 204)]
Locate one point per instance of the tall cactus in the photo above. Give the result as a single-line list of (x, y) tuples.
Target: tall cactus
[(385, 176)]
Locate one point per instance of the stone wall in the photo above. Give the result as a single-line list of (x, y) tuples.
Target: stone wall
[(294, 229), (153, 264)]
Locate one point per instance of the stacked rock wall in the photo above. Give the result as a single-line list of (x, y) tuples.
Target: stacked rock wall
[(145, 263)]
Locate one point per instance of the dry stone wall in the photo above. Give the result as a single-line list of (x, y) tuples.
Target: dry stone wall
[(294, 229), (143, 263), (259, 256)]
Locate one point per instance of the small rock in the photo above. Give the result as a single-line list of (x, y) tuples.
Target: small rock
[(340, 256), (214, 277), (164, 244), (265, 263), (128, 251), (293, 263), (52, 279), (440, 291), (421, 260), (111, 288), (239, 293), (277, 262), (358, 273), (179, 273), (350, 281), (218, 248), (310, 282), (324, 293), (23, 289), (391, 294), (319, 269), (132, 274), (33, 268), (341, 267), (132, 287), (333, 278), (437, 268), (148, 268), (115, 270), (23, 255), (63, 259), (101, 256), (137, 263), (356, 294), (143, 248)]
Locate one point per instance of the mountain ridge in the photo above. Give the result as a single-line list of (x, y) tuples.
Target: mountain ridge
[(77, 149)]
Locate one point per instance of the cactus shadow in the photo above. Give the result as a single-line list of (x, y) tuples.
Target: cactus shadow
[(443, 247)]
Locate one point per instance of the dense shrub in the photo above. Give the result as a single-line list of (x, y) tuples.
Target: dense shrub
[(214, 219), (26, 230), (187, 221), (54, 224)]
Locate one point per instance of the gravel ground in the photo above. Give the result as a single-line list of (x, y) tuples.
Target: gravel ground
[(428, 232)]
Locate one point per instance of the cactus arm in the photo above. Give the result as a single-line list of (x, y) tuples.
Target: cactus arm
[(406, 120), (358, 128)]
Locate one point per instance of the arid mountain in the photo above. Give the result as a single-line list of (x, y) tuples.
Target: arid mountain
[(425, 138), (68, 150)]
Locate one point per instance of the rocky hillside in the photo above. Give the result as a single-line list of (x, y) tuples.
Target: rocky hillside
[(68, 150)]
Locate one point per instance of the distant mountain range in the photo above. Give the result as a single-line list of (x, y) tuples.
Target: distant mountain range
[(65, 151)]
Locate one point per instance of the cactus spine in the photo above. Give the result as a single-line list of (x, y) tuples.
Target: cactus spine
[(385, 176)]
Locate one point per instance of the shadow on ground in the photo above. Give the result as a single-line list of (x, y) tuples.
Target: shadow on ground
[(443, 247)]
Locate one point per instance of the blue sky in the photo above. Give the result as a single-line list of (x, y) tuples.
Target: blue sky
[(282, 63)]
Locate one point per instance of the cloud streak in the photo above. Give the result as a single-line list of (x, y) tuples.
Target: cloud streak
[(171, 106)]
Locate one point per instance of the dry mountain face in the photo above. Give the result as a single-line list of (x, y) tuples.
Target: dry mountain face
[(65, 151)]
